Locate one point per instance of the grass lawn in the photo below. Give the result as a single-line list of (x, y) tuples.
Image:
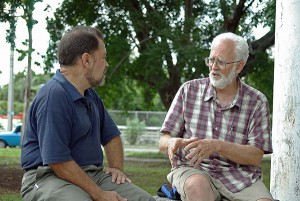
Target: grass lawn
[(10, 157), (147, 175)]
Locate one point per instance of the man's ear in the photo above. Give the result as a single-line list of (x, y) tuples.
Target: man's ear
[(86, 60), (240, 66)]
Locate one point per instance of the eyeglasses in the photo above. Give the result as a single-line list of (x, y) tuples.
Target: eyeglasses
[(210, 61)]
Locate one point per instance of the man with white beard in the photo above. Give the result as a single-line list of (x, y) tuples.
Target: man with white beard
[(217, 130)]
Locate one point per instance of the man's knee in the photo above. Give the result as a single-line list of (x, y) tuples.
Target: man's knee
[(50, 188), (198, 186), (132, 192)]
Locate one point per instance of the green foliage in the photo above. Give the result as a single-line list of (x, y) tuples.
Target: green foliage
[(130, 95), (155, 121), (37, 81), (270, 11), (133, 129), (153, 45), (3, 107), (262, 78), (18, 107), (7, 14), (1, 126)]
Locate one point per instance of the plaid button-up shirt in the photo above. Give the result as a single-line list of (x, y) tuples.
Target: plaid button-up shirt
[(195, 112)]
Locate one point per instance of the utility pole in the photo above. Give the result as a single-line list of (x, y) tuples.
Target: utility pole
[(285, 165), (10, 101)]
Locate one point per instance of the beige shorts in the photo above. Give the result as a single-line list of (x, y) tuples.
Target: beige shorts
[(252, 193)]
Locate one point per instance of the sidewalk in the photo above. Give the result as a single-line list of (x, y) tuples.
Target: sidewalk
[(132, 159), (143, 149), (154, 149)]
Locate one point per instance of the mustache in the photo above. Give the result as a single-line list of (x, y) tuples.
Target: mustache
[(215, 73)]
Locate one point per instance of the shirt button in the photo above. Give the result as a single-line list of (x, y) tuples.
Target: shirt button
[(216, 128)]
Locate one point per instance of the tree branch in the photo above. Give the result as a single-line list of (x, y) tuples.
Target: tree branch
[(231, 23), (263, 43), (125, 57), (255, 47)]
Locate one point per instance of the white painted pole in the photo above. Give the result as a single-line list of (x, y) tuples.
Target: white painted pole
[(10, 98), (285, 165)]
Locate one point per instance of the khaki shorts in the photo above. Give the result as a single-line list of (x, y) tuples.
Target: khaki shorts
[(252, 193), (43, 184)]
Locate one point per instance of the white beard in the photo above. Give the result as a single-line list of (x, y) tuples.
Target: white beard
[(223, 81)]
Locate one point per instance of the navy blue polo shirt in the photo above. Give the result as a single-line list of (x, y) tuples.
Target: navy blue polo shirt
[(63, 125)]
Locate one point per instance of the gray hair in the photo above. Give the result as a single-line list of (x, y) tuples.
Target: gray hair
[(241, 46)]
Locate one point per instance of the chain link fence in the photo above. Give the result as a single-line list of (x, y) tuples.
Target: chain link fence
[(139, 127), (150, 118)]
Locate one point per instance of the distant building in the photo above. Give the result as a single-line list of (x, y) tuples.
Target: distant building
[(3, 121)]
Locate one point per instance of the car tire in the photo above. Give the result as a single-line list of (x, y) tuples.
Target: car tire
[(2, 144)]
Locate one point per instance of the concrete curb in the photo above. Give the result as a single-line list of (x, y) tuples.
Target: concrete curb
[(152, 160)]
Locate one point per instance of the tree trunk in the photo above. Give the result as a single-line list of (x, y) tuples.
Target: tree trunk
[(28, 76), (285, 166)]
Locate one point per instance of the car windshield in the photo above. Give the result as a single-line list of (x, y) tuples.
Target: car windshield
[(18, 129)]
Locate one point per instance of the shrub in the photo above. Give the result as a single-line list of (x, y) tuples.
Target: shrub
[(134, 128)]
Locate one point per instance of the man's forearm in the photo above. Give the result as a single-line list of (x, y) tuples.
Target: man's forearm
[(241, 154), (71, 172), (114, 153), (163, 143)]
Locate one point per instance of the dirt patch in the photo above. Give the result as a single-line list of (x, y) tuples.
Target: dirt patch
[(10, 180)]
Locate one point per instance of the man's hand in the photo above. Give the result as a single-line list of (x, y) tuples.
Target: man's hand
[(71, 172), (200, 150), (108, 196), (117, 175), (175, 143)]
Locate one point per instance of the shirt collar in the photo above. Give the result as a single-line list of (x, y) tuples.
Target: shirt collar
[(240, 94), (210, 93), (70, 89)]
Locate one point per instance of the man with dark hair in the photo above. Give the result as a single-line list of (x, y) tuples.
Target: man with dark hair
[(66, 126)]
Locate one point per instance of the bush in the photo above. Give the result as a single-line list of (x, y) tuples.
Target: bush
[(134, 128)]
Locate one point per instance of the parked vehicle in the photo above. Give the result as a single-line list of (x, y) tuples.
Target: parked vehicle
[(11, 138)]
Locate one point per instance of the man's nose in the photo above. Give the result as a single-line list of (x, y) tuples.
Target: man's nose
[(215, 65)]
